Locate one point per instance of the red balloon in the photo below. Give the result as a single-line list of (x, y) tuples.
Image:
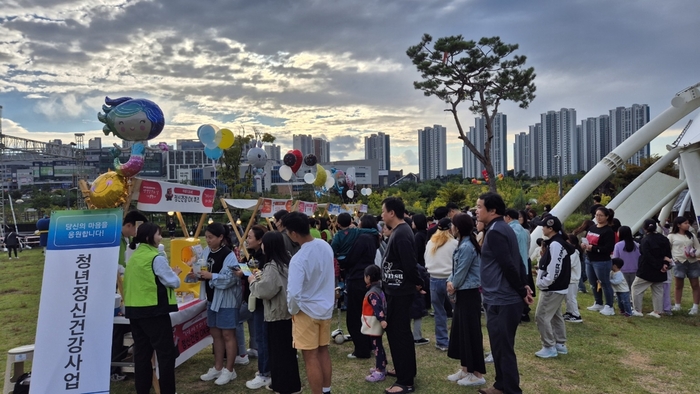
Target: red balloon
[(299, 162)]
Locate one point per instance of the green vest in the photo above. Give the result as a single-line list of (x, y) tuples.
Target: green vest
[(144, 294)]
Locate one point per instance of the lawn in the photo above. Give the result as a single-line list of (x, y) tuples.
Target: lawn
[(606, 354)]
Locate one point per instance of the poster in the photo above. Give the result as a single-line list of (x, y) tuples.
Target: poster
[(158, 196), (333, 209), (76, 308), (270, 206), (307, 208)]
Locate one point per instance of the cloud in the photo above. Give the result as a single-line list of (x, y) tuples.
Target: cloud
[(346, 147)]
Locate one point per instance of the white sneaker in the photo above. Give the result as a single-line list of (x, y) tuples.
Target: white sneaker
[(595, 307), (471, 380), (458, 375), (211, 375), (676, 308), (489, 358), (259, 382), (242, 360), (607, 311), (547, 352), (637, 313), (226, 376), (693, 311), (561, 348), (252, 353), (654, 314)]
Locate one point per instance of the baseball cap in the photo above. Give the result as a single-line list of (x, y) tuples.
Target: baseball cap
[(549, 221)]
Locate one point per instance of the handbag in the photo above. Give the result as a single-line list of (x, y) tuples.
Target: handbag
[(371, 326)]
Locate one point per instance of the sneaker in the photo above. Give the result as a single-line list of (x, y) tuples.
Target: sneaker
[(458, 375), (422, 341), (561, 348), (375, 376), (547, 352), (352, 355), (253, 353), (693, 312), (595, 308), (471, 380), (259, 382), (637, 313), (225, 377), (211, 375), (573, 319), (441, 348), (488, 359), (116, 377), (565, 315), (607, 311), (654, 314), (676, 308), (242, 360)]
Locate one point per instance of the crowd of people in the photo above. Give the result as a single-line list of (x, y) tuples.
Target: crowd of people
[(460, 263)]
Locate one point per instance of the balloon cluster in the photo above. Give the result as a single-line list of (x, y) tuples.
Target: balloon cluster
[(292, 162), (215, 140)]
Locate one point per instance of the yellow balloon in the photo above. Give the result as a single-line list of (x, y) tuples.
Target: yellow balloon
[(226, 139), (109, 190), (320, 176)]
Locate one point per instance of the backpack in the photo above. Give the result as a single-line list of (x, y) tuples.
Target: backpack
[(22, 384)]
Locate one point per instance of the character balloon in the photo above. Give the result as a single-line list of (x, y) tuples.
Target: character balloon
[(257, 157), (310, 160), (137, 120), (289, 159)]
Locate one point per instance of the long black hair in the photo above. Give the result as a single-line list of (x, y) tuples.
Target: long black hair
[(274, 249), (465, 225), (625, 234), (145, 234), (677, 222)]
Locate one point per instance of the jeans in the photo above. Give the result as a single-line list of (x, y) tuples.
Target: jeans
[(261, 339), (623, 301), (438, 295), (600, 271)]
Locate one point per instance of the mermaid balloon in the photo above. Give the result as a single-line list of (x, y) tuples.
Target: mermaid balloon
[(137, 120)]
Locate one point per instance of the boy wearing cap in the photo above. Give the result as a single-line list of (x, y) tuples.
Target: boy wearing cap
[(553, 275)]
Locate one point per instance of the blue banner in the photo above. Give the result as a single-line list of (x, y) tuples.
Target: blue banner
[(99, 228)]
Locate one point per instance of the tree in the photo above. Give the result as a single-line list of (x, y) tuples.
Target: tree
[(482, 74)]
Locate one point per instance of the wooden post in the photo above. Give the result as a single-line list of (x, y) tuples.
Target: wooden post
[(252, 217), (233, 224), (182, 224), (200, 225)]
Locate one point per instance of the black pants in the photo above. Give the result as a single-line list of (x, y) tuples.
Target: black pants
[(357, 289), (466, 340), (502, 322), (10, 249), (154, 334), (284, 367), (400, 337)]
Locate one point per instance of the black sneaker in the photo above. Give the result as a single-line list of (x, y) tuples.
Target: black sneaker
[(422, 341), (573, 319)]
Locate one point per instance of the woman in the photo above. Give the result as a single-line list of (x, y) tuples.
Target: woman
[(438, 262), (362, 254), (684, 251), (149, 297), (599, 244), (466, 341), (256, 262), (323, 228), (654, 262), (11, 243), (222, 285), (270, 286), (628, 251), (480, 233), (524, 220), (420, 231)]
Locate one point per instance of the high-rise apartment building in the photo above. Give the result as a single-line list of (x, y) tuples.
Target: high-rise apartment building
[(499, 146), (521, 154), (536, 147), (273, 152), (432, 152), (559, 142), (322, 150), (595, 141), (305, 143), (377, 147), (626, 121)]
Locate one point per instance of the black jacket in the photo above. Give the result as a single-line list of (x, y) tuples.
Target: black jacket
[(11, 239), (558, 252), (362, 255), (653, 248)]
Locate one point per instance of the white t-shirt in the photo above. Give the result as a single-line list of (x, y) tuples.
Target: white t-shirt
[(311, 286)]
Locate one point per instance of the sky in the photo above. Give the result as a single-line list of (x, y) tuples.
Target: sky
[(333, 69)]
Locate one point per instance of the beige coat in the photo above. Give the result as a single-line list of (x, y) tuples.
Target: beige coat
[(271, 288)]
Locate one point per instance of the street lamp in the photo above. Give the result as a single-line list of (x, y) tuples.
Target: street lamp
[(558, 157)]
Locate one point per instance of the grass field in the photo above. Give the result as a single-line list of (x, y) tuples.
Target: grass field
[(606, 354)]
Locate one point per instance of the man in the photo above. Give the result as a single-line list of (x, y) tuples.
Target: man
[(523, 237), (310, 298), (401, 281), (438, 213), (553, 276), (291, 246), (129, 225), (596, 205), (452, 209), (504, 290)]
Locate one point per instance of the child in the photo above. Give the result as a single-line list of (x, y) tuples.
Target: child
[(374, 320), (572, 314), (419, 308), (619, 284)]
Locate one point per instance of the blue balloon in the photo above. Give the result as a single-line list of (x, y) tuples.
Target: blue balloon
[(206, 134), (213, 154)]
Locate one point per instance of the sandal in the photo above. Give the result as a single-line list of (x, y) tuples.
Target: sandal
[(404, 389), (375, 376), (391, 372)]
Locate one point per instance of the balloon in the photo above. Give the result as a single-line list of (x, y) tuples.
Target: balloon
[(310, 160), (363, 191), (369, 191), (309, 178), (257, 157), (227, 138), (109, 190), (299, 160), (321, 176), (350, 177), (289, 159), (285, 173), (213, 154), (330, 181), (351, 193), (206, 134)]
